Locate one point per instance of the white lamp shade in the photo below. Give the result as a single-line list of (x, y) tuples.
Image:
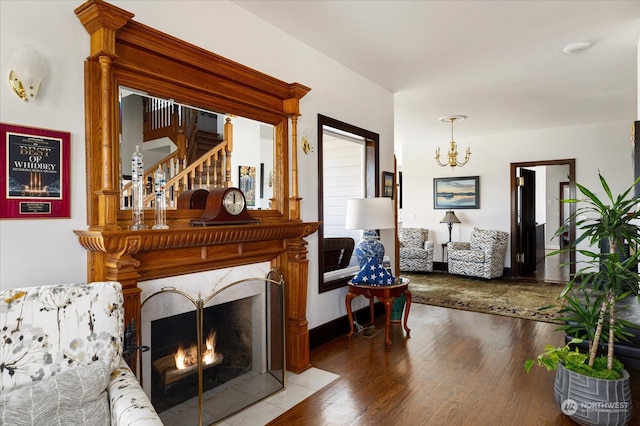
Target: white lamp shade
[(370, 213)]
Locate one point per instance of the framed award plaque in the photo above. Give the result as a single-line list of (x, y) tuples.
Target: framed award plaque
[(35, 173)]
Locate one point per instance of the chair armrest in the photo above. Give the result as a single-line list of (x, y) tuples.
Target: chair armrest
[(129, 404), (458, 246), (428, 246)]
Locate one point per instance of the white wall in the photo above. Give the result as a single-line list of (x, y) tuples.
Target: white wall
[(603, 147), (36, 252), (46, 251)]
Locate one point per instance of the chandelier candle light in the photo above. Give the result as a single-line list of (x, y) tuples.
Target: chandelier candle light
[(370, 214), (452, 156)]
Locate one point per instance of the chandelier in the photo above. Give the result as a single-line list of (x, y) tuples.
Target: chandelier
[(453, 148)]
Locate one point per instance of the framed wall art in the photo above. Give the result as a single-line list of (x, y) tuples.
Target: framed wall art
[(635, 138), (387, 184), (247, 176), (399, 190), (261, 180), (456, 193), (35, 173)]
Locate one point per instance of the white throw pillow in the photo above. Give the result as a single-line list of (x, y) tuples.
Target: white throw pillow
[(74, 397)]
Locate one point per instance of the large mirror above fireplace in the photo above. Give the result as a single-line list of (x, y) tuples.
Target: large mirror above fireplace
[(127, 54), (191, 145)]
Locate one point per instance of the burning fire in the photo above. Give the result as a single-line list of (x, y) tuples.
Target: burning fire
[(209, 354), (189, 357)]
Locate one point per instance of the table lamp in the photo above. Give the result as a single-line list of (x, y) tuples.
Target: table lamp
[(450, 218), (370, 214)]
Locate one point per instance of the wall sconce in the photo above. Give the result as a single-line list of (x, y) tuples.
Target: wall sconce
[(27, 68), (305, 142)]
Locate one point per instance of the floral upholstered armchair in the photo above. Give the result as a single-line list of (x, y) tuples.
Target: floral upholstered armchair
[(61, 358), (416, 251), (483, 256)]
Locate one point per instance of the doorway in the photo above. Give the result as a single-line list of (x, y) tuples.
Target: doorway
[(534, 225)]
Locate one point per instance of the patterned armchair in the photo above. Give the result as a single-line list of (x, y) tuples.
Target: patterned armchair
[(482, 257), (416, 251), (61, 358)]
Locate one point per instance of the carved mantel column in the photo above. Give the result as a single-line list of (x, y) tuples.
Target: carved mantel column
[(297, 326)]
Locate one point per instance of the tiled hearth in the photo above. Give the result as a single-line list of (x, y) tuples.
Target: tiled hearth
[(299, 387)]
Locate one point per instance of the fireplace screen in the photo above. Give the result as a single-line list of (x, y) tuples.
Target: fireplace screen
[(221, 356)]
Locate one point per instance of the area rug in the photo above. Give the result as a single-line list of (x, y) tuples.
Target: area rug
[(514, 298)]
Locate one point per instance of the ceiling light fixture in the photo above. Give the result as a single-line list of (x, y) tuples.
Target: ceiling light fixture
[(453, 148), (576, 48)]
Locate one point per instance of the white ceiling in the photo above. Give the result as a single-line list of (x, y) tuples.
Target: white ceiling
[(498, 62)]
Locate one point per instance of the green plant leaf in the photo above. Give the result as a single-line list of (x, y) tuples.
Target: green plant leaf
[(600, 278), (528, 364)]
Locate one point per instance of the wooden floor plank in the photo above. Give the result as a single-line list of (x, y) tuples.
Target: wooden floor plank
[(457, 368)]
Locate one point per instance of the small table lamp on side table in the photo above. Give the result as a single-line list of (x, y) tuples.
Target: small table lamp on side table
[(449, 218)]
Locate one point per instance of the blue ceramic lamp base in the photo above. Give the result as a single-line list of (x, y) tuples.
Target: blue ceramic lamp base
[(370, 246)]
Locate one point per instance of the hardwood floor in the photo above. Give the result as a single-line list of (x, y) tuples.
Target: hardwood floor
[(553, 271), (457, 368), (549, 269)]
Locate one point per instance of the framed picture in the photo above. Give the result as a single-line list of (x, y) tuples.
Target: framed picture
[(387, 184), (456, 193), (35, 173), (399, 190), (247, 177), (261, 180)]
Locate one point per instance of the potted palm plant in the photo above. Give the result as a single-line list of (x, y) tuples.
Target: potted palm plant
[(586, 382)]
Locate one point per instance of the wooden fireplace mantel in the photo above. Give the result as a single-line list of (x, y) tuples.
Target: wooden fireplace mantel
[(124, 53), (132, 256)]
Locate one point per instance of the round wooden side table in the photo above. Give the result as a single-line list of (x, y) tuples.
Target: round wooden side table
[(385, 294)]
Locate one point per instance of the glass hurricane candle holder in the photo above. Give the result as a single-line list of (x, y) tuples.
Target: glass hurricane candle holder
[(160, 200), (137, 191)]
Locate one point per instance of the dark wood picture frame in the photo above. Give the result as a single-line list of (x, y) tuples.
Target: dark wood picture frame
[(399, 190), (261, 180), (635, 148), (35, 177), (388, 184), (456, 193)]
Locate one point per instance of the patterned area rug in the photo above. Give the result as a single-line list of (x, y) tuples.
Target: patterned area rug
[(514, 298)]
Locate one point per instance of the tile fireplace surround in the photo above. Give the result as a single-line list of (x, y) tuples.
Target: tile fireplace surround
[(202, 285)]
